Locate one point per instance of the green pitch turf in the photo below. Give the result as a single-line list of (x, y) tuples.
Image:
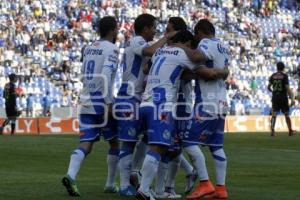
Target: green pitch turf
[(259, 168)]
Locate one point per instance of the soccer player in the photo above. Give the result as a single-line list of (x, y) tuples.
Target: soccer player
[(10, 97), (279, 86), (100, 62), (129, 95), (157, 105), (207, 125), (167, 170)]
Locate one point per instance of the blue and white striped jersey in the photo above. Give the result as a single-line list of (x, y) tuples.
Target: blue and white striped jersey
[(211, 95), (163, 81), (133, 61), (100, 62)]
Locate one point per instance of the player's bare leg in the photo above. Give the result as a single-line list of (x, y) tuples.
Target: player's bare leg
[(13, 125), (273, 122), (112, 166), (6, 121), (289, 124)]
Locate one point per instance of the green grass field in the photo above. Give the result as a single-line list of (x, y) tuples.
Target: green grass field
[(259, 168)]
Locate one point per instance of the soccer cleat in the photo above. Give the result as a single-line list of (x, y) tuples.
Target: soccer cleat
[(220, 193), (129, 191), (190, 182), (111, 189), (168, 194), (71, 186), (272, 133), (292, 132), (203, 188), (141, 196), (134, 180)]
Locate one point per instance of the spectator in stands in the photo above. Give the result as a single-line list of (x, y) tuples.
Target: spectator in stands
[(46, 104), (29, 105), (43, 35), (253, 86)]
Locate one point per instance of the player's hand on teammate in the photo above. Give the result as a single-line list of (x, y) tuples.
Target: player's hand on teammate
[(226, 72), (171, 34), (292, 102), (179, 45)]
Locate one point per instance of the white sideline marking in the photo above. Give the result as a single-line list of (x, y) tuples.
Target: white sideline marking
[(283, 150)]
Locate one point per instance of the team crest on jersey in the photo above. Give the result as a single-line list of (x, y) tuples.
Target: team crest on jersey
[(142, 42), (166, 135), (204, 135), (199, 118), (81, 134), (164, 117), (128, 115), (96, 44), (132, 132)]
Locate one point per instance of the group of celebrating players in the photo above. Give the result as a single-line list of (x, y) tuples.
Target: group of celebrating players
[(156, 115)]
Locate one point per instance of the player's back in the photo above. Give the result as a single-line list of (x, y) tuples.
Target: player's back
[(133, 61), (211, 94), (10, 95), (100, 60), (163, 79), (279, 80)]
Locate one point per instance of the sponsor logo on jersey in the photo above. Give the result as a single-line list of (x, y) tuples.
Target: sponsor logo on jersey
[(167, 135), (132, 132), (96, 44)]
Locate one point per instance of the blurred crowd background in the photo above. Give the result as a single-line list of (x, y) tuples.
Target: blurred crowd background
[(41, 41)]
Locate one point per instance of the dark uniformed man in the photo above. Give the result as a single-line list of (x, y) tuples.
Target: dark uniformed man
[(279, 86), (10, 97)]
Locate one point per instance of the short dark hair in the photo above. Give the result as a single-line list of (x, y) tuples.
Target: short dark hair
[(183, 37), (178, 23), (105, 25), (12, 77), (142, 21), (280, 66), (205, 27)]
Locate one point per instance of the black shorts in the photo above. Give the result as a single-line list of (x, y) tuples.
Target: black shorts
[(280, 104), (11, 112)]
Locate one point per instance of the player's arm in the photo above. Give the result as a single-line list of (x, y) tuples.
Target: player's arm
[(147, 66), (109, 71), (289, 91), (149, 51), (211, 74), (205, 73), (270, 88), (195, 55)]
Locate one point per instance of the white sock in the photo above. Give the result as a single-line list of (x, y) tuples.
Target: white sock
[(149, 170), (220, 166), (160, 177), (125, 162), (198, 160), (112, 166), (185, 165), (77, 158), (139, 156), (173, 169)]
